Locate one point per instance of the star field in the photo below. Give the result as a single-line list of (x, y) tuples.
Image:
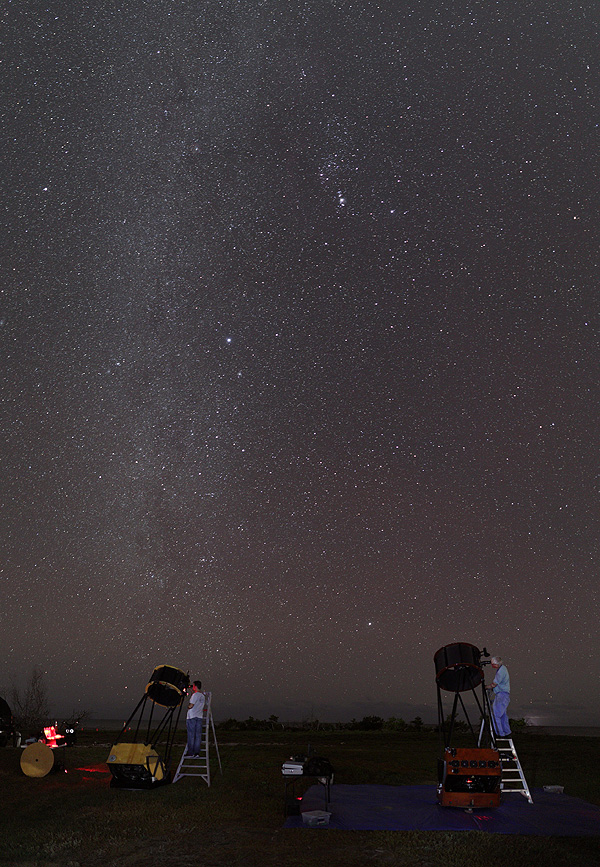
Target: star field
[(299, 330)]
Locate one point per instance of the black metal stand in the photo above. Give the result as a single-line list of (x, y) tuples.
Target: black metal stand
[(485, 737), (164, 728)]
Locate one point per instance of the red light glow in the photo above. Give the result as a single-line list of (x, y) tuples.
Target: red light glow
[(95, 769), (51, 736)]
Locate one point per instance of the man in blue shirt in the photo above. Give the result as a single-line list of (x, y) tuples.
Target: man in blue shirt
[(501, 688)]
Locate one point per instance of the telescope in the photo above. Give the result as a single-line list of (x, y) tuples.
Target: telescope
[(467, 777), (136, 763)]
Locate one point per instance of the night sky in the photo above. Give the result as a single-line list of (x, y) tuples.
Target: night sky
[(299, 350)]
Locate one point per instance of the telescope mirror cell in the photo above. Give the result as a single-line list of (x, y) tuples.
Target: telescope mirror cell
[(458, 667), (167, 686)]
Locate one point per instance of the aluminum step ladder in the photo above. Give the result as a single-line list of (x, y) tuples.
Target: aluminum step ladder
[(513, 778), (199, 766)]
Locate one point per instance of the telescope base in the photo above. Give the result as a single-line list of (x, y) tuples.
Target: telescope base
[(136, 766), (469, 778)]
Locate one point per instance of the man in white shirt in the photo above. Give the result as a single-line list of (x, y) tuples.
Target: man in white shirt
[(194, 718)]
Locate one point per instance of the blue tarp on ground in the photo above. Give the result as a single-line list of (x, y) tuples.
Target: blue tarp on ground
[(415, 808)]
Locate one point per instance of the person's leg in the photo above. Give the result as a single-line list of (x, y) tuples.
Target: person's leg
[(495, 720), (197, 739), (500, 707), (189, 724)]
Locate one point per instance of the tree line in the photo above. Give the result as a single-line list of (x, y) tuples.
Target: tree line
[(30, 708), (367, 723), (30, 705)]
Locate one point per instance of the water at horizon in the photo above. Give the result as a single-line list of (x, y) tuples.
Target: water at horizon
[(114, 724)]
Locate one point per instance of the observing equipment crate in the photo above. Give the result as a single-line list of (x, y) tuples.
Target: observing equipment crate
[(469, 778), (292, 769), (297, 767)]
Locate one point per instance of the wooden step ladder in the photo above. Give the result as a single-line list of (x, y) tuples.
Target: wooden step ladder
[(199, 766), (513, 778)]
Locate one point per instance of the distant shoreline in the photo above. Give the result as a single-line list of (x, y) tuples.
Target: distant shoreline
[(116, 724), (562, 731)]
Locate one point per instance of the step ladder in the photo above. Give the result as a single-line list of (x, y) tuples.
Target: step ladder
[(513, 778), (199, 766)]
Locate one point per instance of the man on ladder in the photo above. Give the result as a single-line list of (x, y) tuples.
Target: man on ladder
[(195, 760), (194, 718), (501, 689), (513, 778)]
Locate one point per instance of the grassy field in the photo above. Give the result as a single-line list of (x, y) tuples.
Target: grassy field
[(75, 818)]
